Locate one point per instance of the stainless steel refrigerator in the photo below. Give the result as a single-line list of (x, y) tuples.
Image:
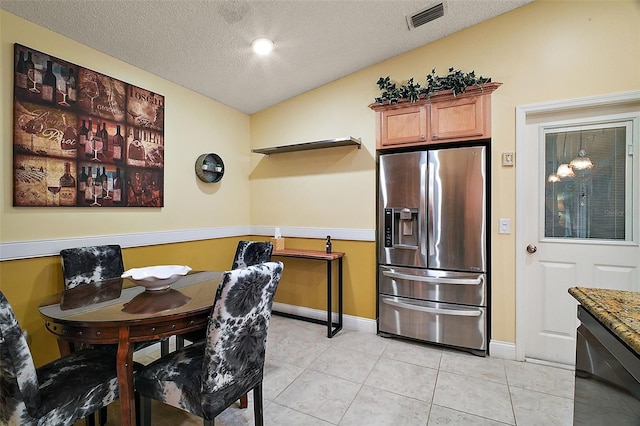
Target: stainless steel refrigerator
[(432, 246)]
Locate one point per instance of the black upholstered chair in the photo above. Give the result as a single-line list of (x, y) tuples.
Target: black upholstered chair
[(206, 377), (58, 393), (248, 253), (84, 265)]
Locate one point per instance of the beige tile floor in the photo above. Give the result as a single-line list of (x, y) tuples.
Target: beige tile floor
[(362, 379)]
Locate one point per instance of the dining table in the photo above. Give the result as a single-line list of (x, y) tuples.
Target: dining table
[(121, 312)]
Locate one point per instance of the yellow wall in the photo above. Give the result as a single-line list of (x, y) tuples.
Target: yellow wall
[(304, 281), (26, 283), (194, 125), (543, 51)]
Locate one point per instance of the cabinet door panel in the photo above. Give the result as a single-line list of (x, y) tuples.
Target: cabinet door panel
[(405, 125), (456, 119)]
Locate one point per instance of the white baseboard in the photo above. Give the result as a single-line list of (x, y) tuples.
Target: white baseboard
[(551, 364), (504, 350), (350, 322)]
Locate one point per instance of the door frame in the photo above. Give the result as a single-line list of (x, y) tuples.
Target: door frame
[(525, 114)]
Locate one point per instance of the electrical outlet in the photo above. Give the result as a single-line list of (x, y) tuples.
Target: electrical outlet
[(507, 158)]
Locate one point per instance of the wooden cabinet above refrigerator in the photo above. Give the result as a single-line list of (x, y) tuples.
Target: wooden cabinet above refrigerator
[(441, 118)]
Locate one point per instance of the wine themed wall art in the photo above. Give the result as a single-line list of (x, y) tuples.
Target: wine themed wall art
[(83, 139)]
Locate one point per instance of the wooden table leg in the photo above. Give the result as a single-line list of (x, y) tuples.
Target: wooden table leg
[(125, 378), (244, 401), (65, 347)]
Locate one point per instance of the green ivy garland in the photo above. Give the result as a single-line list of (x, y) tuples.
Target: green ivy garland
[(456, 81)]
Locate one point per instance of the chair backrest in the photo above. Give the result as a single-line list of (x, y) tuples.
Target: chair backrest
[(251, 253), (237, 329), (18, 378), (84, 265)]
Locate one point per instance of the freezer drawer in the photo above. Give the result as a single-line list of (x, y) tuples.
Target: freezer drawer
[(439, 286), (443, 323)]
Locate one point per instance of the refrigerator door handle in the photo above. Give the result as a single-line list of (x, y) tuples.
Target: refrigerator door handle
[(423, 221), (434, 280), (431, 225), (405, 246), (437, 311)]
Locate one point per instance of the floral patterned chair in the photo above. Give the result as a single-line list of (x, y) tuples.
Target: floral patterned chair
[(58, 393), (206, 377), (248, 253)]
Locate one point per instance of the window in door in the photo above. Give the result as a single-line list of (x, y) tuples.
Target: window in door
[(589, 182)]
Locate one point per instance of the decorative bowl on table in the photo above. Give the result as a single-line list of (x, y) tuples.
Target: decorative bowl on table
[(156, 278)]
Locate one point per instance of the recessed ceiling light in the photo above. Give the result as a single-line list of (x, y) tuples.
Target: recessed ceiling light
[(262, 46)]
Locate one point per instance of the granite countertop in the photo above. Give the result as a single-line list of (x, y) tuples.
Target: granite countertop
[(618, 310)]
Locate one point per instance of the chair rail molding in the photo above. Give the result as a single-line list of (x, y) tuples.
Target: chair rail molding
[(337, 233), (41, 248)]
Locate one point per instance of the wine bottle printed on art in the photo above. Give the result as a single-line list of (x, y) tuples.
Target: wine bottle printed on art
[(82, 181), (117, 187), (135, 150), (71, 86), (49, 84), (97, 184), (21, 72), (88, 192), (88, 147), (118, 143), (67, 187), (105, 138), (69, 137), (82, 134), (33, 76)]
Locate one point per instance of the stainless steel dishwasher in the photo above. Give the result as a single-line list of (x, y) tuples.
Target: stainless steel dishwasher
[(607, 377)]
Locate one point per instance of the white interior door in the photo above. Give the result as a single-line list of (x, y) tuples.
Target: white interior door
[(577, 225)]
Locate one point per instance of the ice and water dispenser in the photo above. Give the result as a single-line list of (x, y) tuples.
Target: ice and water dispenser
[(401, 227)]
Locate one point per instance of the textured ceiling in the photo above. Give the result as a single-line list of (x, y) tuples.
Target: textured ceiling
[(204, 45)]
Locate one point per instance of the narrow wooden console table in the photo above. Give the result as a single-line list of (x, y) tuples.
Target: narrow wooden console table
[(332, 327)]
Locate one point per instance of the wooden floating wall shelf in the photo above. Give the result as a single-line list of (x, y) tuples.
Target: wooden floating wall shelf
[(328, 143)]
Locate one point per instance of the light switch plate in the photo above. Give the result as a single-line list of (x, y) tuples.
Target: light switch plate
[(504, 226), (507, 158)]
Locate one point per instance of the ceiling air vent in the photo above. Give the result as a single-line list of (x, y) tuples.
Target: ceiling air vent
[(425, 16)]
